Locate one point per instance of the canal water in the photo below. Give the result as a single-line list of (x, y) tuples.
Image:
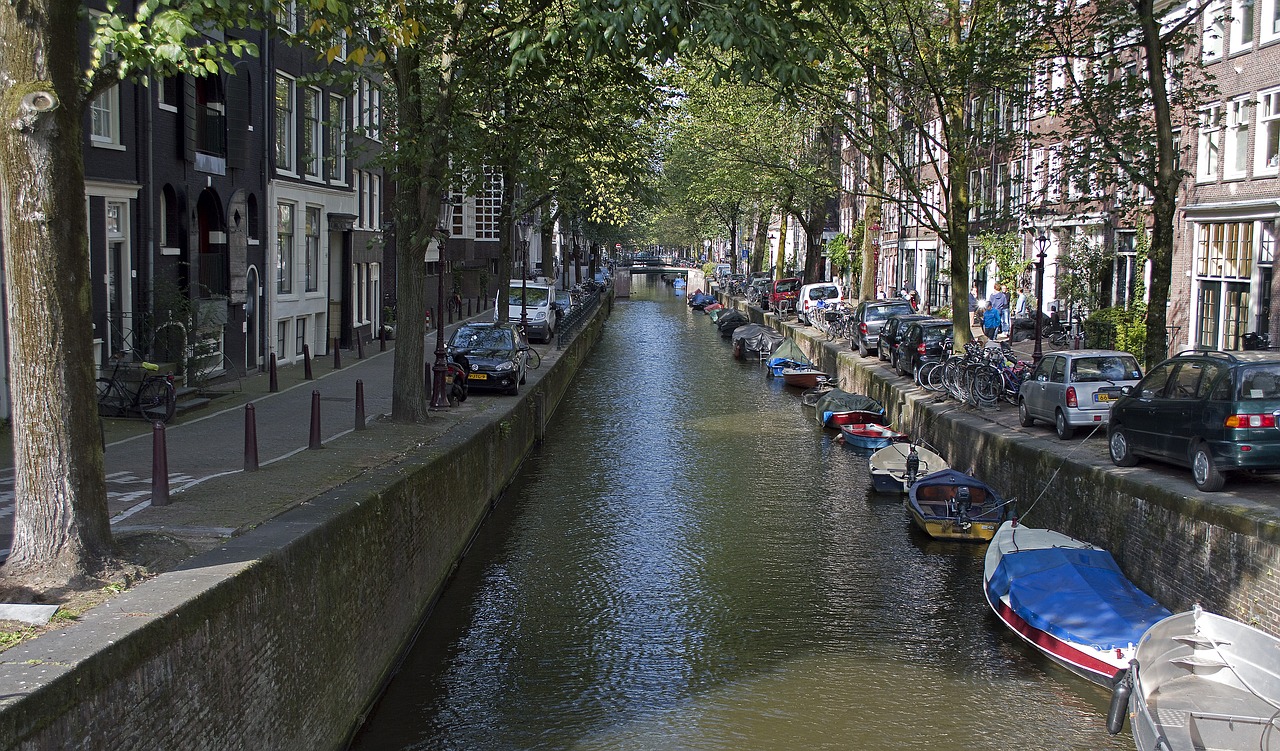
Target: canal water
[(691, 562)]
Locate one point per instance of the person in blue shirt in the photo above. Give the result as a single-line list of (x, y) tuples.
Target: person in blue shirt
[(991, 322), (1000, 301)]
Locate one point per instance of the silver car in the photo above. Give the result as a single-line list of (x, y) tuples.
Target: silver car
[(1075, 388)]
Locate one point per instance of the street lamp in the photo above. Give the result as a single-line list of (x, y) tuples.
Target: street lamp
[(1040, 224), (525, 228), (439, 396), (875, 254)]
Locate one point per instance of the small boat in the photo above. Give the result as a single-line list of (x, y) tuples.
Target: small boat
[(870, 435), (895, 467), (1068, 599), (751, 341), (1202, 681), (788, 355), (950, 505), (835, 408), (803, 377)]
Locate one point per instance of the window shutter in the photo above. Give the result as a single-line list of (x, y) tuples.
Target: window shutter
[(239, 91), (189, 119)]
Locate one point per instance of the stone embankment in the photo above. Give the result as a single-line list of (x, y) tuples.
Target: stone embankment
[(283, 636), (1221, 550)]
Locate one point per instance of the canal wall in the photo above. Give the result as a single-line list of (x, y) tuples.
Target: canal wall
[(282, 636), (1221, 550)]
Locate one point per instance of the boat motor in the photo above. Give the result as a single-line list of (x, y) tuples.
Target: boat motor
[(964, 502), (913, 465)]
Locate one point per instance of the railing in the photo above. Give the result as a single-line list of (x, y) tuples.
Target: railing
[(575, 318)]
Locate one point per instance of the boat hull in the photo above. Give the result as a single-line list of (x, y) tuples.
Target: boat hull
[(802, 379), (870, 436), (943, 528), (937, 505), (888, 466), (853, 417)]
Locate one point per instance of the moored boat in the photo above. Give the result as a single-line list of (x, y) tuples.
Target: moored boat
[(803, 377), (870, 435), (1068, 599), (895, 467), (787, 355), (835, 408), (950, 505), (1202, 681)]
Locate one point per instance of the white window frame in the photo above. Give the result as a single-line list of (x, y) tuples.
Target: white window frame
[(313, 131), (1268, 119), (336, 143), (312, 261), (286, 126), (285, 256), (1268, 21), (1236, 148), (1208, 143), (1238, 42), (104, 120), (1213, 36)]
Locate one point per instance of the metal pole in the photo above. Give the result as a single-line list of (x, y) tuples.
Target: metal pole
[(1042, 242), (439, 400), (315, 442), (250, 438), (360, 405), (159, 466), (306, 361)]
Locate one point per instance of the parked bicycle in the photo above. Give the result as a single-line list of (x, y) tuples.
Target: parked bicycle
[(126, 393)]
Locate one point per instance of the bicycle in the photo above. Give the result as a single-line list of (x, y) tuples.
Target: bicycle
[(153, 398)]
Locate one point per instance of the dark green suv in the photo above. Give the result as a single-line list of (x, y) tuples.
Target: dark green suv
[(1212, 411)]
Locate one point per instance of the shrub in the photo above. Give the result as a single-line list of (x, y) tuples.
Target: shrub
[(1118, 328)]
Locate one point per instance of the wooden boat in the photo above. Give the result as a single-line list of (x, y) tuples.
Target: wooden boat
[(870, 435), (1202, 681), (892, 470), (1068, 599), (802, 377), (950, 505), (834, 408)]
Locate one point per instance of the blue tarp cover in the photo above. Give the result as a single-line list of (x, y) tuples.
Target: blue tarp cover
[(1077, 595)]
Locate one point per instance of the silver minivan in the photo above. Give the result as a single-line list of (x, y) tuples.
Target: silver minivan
[(1076, 388)]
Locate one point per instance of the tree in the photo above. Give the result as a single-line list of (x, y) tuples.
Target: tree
[(61, 530)]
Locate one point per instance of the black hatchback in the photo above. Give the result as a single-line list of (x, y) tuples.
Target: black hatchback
[(925, 341), (1211, 411), (891, 334), (494, 355)]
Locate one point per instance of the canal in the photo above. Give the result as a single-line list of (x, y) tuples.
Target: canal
[(691, 562)]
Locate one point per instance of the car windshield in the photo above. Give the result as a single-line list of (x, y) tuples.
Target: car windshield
[(881, 312), (936, 333), (1105, 368), (476, 337), (534, 296), (787, 285), (1260, 382), (824, 293)]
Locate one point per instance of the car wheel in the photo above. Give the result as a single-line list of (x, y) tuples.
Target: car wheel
[(1024, 415), (1061, 427), (514, 390), (862, 349), (1118, 444), (1207, 476)]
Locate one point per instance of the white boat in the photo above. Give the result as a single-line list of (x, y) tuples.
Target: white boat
[(1068, 599), (1203, 681), (891, 470)]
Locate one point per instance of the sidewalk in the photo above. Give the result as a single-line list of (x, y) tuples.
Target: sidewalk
[(211, 496)]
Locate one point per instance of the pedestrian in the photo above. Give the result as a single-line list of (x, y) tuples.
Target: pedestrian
[(1000, 301), (1020, 307), (991, 322), (973, 303)]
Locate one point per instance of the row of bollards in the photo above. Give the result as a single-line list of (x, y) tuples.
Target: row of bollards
[(306, 359), (160, 453)]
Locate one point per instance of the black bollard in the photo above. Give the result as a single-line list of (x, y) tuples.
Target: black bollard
[(382, 340), (159, 466), (275, 384), (468, 307), (306, 362), (315, 422), (250, 438), (359, 404), (428, 376), (337, 355), (359, 347)]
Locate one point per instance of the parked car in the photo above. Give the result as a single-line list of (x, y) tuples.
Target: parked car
[(812, 293), (1214, 412), (1076, 388), (868, 317), (494, 355), (533, 301), (924, 342), (758, 291), (563, 304), (784, 290), (891, 334)]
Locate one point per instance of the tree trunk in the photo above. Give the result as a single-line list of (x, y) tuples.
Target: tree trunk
[(761, 247), (1164, 203), (61, 529)]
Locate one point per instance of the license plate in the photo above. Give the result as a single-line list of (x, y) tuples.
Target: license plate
[(477, 377), (1102, 397)]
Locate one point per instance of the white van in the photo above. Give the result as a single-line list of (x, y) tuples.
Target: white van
[(539, 297), (828, 292)]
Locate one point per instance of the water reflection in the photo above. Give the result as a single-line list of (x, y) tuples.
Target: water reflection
[(690, 562)]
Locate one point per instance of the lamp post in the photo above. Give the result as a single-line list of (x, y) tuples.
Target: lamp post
[(525, 227), (1040, 224), (439, 397), (875, 254)]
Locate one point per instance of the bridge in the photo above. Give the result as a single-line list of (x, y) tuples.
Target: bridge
[(660, 270)]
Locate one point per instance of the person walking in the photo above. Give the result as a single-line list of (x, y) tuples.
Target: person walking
[(991, 322), (1000, 301), (973, 303), (1020, 306)]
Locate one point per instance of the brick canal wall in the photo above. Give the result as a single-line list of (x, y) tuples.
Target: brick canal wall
[(284, 635), (1181, 546)]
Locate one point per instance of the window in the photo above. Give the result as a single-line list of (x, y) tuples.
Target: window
[(375, 201), (282, 335), (311, 133), (1241, 25), (488, 205), (1212, 36), (169, 218), (284, 123), (312, 261), (299, 335), (1053, 177), (1239, 113), (459, 200), (1207, 153), (337, 125), (1270, 20), (1267, 154), (211, 125), (284, 248), (169, 95), (104, 127), (1225, 250), (1037, 175), (286, 16)]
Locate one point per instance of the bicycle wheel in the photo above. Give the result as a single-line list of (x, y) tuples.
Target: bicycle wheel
[(987, 385), (156, 399), (534, 360), (108, 400)]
